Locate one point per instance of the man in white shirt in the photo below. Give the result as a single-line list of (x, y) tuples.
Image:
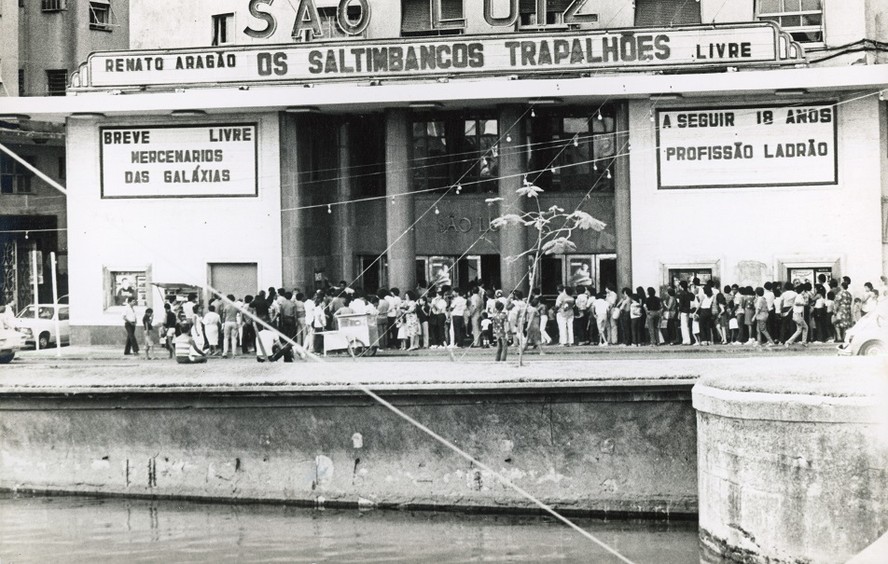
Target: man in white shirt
[(458, 305), (129, 323), (394, 301)]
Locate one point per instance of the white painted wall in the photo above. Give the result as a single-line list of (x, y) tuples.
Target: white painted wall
[(175, 238), (727, 226)]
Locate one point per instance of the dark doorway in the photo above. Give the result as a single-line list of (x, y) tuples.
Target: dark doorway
[(607, 274)]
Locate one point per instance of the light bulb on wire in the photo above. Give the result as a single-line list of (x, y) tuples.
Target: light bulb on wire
[(329, 208)]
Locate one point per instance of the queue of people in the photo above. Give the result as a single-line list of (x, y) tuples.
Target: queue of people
[(691, 313)]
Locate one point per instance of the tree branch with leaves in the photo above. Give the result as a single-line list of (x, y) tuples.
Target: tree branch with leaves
[(553, 228)]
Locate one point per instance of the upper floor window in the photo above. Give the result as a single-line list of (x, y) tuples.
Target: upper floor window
[(416, 17), (658, 13), (803, 19), (56, 82), (223, 25), (554, 18), (15, 178), (329, 26), (53, 5), (100, 15), (571, 151), (451, 150)]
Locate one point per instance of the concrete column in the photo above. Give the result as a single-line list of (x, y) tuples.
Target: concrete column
[(296, 269), (343, 216), (622, 200), (512, 166), (400, 239)]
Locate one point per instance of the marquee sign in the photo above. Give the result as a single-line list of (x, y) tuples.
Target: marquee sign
[(502, 54), (179, 161), (749, 146)]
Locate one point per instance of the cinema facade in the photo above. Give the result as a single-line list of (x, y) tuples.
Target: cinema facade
[(378, 156)]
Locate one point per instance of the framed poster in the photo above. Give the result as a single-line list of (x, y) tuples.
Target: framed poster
[(122, 284), (580, 271)]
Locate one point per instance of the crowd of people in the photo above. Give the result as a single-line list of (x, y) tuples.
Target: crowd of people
[(692, 313)]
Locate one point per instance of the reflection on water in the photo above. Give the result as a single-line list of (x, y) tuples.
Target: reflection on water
[(87, 529)]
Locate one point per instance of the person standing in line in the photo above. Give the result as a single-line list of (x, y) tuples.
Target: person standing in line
[(247, 327), (382, 311), (564, 305), (129, 324), (534, 336), (169, 328), (581, 317), (842, 313), (798, 317), (394, 315), (287, 314), (458, 306), (476, 307), (301, 316), (602, 318), (423, 313), (229, 328), (636, 317), (613, 320), (653, 305), (212, 324), (150, 336), (685, 298), (500, 327), (819, 315), (869, 299), (787, 301), (761, 318)]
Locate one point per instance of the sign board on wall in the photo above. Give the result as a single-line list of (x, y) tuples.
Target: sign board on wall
[(215, 160), (747, 146), (500, 54)]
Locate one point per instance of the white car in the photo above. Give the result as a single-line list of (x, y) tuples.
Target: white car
[(10, 341), (43, 326), (869, 336)]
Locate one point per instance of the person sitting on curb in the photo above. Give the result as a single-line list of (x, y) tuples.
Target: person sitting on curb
[(268, 347), (187, 351)]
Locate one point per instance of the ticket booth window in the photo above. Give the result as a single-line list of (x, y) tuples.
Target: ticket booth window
[(809, 274), (676, 275)]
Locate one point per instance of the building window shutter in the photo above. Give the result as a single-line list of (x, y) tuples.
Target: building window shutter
[(416, 16), (659, 13)]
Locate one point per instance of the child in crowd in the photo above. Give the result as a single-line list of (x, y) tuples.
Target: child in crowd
[(485, 330), (150, 337)]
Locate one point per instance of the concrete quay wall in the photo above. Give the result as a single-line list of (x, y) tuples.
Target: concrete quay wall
[(793, 469), (579, 435)]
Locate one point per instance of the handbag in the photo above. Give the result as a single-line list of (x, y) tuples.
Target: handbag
[(732, 323), (615, 313)]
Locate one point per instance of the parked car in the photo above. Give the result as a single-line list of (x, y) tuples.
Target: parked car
[(43, 327), (869, 336), (10, 341)]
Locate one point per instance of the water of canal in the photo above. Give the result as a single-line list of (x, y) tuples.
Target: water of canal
[(86, 529)]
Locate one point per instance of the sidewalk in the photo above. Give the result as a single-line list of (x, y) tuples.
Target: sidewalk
[(115, 353)]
